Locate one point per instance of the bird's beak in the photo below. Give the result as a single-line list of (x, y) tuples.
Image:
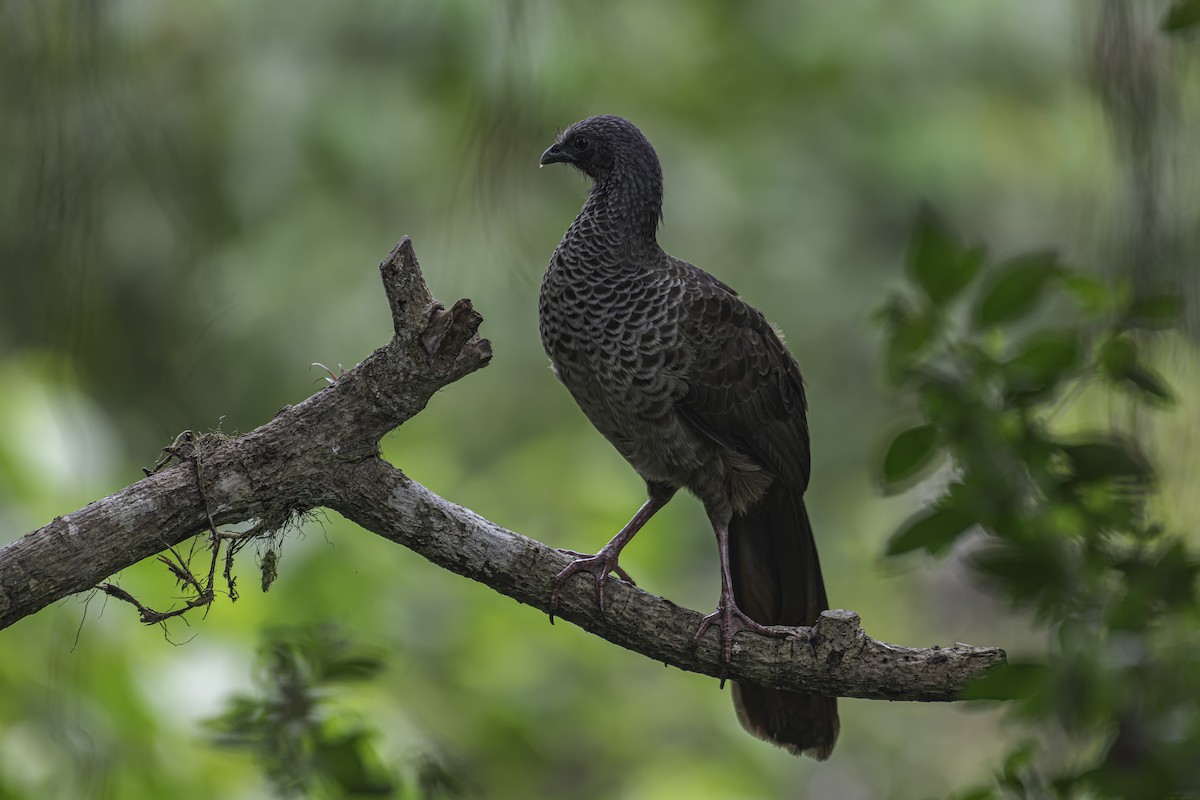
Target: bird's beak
[(553, 155)]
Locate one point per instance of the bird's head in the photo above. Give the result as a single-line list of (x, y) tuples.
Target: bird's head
[(597, 146)]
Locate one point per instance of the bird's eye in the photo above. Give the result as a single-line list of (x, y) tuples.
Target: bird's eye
[(580, 143)]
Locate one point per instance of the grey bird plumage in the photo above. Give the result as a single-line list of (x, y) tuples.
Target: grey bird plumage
[(695, 389)]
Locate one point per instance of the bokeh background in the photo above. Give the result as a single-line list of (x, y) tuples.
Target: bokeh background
[(193, 201)]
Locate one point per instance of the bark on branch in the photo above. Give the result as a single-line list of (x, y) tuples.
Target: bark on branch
[(324, 452)]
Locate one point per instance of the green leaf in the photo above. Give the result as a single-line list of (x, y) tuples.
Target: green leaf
[(1119, 360), (1182, 15), (910, 330), (1118, 357), (1093, 294), (934, 531), (909, 338), (1048, 353), (1152, 581), (352, 668), (1154, 313), (1031, 571), (1151, 383), (1011, 681), (943, 397), (909, 453), (1045, 360), (1108, 459), (937, 260), (1175, 576), (1016, 288), (1013, 774), (343, 758)]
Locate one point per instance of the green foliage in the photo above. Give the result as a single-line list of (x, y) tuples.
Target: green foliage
[(935, 530), (1183, 15), (1011, 681), (910, 453), (305, 747), (1120, 361), (1014, 288), (1037, 369), (1062, 519), (1154, 312), (935, 261)]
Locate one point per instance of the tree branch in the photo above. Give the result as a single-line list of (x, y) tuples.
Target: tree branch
[(325, 452)]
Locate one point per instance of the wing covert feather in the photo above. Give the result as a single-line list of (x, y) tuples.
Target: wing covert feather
[(744, 388)]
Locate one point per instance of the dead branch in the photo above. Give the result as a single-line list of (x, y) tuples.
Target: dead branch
[(324, 452)]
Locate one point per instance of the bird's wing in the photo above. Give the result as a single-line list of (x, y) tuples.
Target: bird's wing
[(744, 389)]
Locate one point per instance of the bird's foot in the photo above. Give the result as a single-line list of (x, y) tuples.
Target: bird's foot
[(732, 621), (599, 565)]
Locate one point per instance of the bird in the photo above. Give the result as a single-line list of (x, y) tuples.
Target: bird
[(696, 390)]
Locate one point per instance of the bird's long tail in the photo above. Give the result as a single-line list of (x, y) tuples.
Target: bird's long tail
[(777, 581)]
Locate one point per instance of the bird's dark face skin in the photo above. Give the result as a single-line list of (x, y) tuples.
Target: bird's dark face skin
[(598, 145), (585, 146)]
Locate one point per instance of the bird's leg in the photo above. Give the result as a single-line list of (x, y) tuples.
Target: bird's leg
[(605, 561), (731, 619)]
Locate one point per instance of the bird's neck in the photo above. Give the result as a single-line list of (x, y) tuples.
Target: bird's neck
[(632, 203)]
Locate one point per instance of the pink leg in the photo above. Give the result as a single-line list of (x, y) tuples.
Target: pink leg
[(604, 562), (730, 618)]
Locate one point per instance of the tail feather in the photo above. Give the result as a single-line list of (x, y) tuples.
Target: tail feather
[(777, 581)]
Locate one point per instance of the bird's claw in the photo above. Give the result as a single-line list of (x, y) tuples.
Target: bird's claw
[(599, 565), (613, 567), (732, 621)]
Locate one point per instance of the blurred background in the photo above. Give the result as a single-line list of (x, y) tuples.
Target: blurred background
[(193, 202)]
